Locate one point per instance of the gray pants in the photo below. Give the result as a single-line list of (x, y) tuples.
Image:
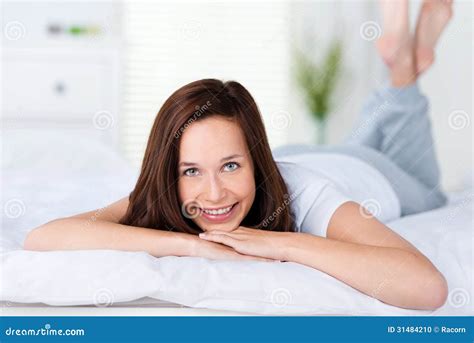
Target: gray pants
[(393, 134)]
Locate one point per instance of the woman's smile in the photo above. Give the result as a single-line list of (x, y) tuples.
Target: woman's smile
[(220, 215)]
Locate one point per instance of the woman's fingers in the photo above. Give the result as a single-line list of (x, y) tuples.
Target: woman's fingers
[(229, 247), (219, 237), (232, 234), (254, 258)]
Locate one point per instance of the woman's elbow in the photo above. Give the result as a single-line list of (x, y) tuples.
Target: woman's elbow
[(425, 287), (434, 295), (32, 240), (431, 293), (429, 288), (35, 239)]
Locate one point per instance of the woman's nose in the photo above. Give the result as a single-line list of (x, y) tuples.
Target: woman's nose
[(215, 189)]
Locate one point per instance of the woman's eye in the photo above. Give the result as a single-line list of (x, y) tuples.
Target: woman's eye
[(190, 172), (231, 166)]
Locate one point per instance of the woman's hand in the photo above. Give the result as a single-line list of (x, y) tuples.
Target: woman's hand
[(267, 244), (217, 251)]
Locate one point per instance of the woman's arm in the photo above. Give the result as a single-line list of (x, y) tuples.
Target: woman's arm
[(85, 234), (370, 257), (99, 229), (394, 276), (359, 250)]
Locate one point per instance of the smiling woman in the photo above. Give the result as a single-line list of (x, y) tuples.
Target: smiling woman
[(208, 170), (205, 179)]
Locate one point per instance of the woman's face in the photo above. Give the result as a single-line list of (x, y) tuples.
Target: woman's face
[(216, 174)]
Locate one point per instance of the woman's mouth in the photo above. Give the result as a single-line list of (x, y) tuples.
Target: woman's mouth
[(220, 214)]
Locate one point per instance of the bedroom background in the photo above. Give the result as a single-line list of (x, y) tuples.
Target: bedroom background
[(113, 64), (82, 82)]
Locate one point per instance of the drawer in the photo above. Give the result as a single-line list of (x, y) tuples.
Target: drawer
[(58, 87)]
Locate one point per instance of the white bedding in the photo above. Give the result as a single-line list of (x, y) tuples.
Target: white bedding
[(102, 277)]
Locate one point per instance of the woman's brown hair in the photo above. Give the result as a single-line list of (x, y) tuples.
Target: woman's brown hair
[(154, 202)]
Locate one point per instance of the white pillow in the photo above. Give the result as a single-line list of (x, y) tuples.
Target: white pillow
[(102, 277), (69, 150), (75, 278)]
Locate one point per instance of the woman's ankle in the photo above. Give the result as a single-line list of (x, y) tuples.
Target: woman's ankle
[(404, 72), (402, 82)]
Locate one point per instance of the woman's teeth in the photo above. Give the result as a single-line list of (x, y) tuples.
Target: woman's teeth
[(219, 211)]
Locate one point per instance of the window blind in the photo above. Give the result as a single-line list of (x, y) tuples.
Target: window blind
[(168, 44)]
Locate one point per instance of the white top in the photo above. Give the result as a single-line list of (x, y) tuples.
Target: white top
[(318, 183)]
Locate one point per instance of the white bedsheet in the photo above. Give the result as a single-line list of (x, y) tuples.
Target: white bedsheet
[(102, 277)]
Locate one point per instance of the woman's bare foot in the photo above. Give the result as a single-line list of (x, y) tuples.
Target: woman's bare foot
[(396, 46), (433, 17)]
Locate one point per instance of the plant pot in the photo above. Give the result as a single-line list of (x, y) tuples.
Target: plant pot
[(321, 126)]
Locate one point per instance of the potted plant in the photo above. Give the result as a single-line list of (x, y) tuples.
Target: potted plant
[(318, 82)]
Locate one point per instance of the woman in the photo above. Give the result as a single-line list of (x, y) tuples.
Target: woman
[(208, 170)]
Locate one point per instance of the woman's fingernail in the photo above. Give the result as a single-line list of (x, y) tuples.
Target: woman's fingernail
[(202, 235)]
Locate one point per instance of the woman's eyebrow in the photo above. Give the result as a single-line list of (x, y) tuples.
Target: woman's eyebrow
[(230, 157), (187, 164), (222, 160)]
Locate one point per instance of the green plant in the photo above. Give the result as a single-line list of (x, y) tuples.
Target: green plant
[(318, 81)]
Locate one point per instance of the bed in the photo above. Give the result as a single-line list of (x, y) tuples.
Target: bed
[(48, 174)]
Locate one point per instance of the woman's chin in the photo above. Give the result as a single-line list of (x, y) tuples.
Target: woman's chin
[(226, 227)]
